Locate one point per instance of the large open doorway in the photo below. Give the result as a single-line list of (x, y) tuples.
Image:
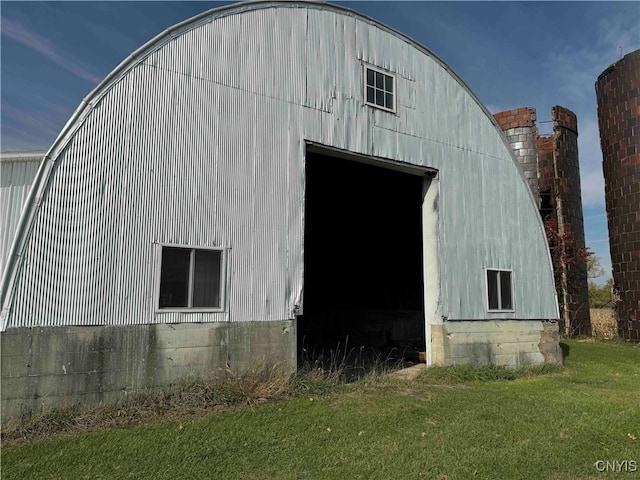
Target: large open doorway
[(363, 264)]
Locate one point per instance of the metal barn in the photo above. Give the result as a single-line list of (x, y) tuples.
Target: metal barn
[(261, 173)]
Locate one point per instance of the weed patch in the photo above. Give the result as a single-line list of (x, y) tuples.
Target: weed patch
[(345, 364), (179, 401), (468, 373)]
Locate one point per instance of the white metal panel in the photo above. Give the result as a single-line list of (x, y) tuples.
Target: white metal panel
[(17, 173), (65, 265), (259, 51), (199, 140), (330, 43)]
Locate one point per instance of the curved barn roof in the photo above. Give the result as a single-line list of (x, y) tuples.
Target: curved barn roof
[(165, 38), (181, 28)]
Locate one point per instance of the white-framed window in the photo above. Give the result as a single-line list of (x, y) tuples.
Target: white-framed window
[(499, 290), (379, 88), (191, 278)]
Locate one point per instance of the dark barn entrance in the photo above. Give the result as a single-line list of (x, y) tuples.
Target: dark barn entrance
[(363, 269)]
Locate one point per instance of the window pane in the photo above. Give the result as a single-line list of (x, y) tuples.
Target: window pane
[(492, 289), (174, 277), (371, 96), (379, 80), (388, 100), (505, 290), (370, 77), (380, 98), (206, 279), (388, 83)]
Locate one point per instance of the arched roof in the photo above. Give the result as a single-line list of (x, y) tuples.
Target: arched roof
[(158, 42), (155, 44), (178, 29)]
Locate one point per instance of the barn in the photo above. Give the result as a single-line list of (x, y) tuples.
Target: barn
[(260, 176)]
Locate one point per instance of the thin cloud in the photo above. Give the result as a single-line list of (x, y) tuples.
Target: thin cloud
[(592, 185), (620, 34), (591, 176), (493, 109), (32, 40), (30, 130), (577, 68)]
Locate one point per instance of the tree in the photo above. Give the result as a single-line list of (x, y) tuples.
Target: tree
[(594, 269), (570, 271), (601, 297)]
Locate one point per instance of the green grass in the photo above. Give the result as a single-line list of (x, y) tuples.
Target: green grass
[(450, 423)]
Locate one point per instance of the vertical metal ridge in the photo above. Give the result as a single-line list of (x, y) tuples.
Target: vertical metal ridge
[(203, 144), (17, 171)]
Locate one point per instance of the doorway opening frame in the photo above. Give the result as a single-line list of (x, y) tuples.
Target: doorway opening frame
[(430, 230)]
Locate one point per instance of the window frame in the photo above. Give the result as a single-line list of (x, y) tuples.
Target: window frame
[(366, 85), (191, 309), (499, 290)]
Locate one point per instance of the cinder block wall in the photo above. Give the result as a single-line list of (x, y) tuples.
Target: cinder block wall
[(618, 96), (496, 342), (45, 367)]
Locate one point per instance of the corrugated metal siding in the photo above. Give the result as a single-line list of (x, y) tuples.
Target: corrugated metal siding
[(246, 52), (17, 173), (202, 143)]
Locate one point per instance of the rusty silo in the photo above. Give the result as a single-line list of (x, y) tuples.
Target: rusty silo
[(618, 95)]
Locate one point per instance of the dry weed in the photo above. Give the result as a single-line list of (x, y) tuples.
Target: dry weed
[(176, 402), (603, 323)]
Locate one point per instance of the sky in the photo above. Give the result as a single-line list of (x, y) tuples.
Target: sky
[(511, 55)]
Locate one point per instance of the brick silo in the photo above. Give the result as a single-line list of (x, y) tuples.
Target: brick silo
[(566, 199), (551, 167), (618, 96), (519, 126)]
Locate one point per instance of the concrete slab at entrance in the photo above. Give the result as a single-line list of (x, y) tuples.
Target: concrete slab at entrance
[(409, 373)]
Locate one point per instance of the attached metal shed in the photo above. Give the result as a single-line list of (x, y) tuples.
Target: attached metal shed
[(174, 218), (17, 173)]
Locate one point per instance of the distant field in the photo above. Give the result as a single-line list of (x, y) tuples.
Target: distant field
[(603, 323), (582, 421)]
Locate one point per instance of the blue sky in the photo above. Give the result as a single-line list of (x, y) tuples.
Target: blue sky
[(511, 54)]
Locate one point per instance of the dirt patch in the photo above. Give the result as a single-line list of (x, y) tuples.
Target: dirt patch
[(603, 323), (409, 373)]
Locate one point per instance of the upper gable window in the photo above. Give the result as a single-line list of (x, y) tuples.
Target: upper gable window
[(379, 89)]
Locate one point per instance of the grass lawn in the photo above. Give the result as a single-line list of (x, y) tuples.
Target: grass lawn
[(552, 426)]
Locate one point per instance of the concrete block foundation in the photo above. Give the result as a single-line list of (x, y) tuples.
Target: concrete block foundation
[(495, 342), (46, 367)]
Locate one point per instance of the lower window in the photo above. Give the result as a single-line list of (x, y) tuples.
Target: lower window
[(190, 278), (499, 295)]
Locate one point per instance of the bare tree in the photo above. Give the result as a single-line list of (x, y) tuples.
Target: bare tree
[(594, 269)]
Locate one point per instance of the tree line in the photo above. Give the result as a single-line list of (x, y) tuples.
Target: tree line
[(599, 296)]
